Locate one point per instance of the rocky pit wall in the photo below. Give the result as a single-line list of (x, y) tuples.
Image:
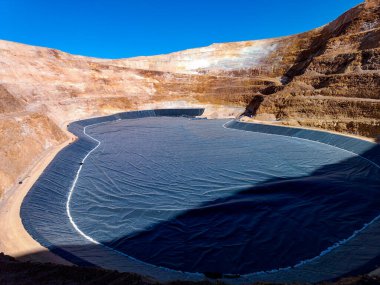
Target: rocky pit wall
[(327, 78)]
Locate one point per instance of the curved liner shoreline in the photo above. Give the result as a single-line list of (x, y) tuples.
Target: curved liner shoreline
[(70, 245), (15, 240)]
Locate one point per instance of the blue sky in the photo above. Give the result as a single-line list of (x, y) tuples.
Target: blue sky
[(126, 28)]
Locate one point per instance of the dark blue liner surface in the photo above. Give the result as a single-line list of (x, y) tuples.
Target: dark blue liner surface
[(48, 196)]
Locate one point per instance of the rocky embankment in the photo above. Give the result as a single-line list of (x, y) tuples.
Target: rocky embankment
[(327, 78), (13, 272)]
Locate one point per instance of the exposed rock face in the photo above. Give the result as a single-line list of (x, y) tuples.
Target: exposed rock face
[(23, 138), (336, 85), (328, 78)]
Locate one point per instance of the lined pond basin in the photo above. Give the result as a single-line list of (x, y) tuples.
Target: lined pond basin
[(193, 196)]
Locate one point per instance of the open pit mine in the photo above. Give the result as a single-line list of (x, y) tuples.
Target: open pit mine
[(317, 92)]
